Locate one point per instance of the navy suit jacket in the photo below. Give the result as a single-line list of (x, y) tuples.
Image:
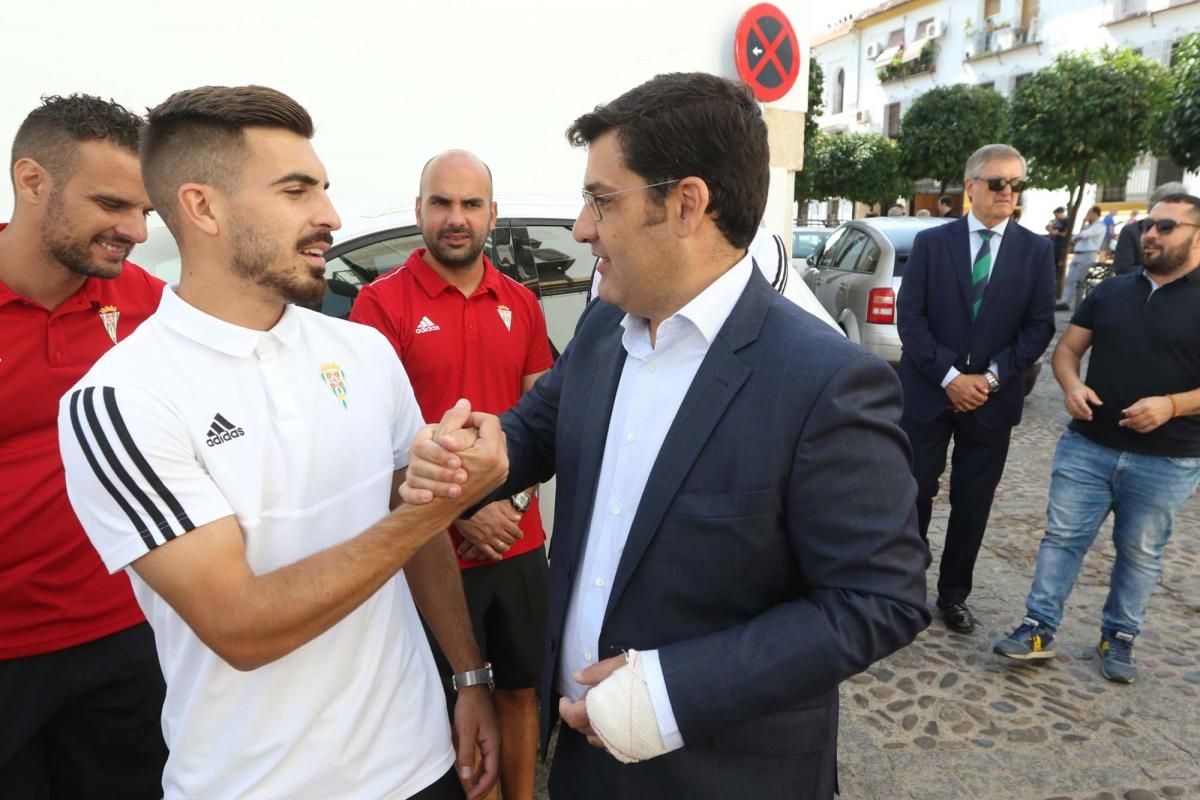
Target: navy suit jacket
[(1015, 323), (774, 553)]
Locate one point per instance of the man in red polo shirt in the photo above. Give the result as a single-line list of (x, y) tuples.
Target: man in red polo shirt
[(463, 329), (80, 686)]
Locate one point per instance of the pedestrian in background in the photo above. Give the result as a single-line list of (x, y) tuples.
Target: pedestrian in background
[(1086, 248)]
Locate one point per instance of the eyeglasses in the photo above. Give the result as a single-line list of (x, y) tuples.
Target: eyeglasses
[(1166, 225), (590, 198), (998, 184)]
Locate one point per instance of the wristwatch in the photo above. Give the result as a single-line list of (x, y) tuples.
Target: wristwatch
[(474, 677), (992, 381), (521, 501)]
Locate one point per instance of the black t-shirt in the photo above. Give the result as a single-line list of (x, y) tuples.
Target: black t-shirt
[(1143, 345)]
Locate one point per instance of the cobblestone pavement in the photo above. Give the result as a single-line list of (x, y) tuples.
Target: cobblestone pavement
[(945, 718)]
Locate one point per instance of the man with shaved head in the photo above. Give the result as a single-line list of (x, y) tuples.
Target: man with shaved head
[(463, 329)]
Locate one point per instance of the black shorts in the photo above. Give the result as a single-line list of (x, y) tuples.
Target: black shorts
[(84, 722), (507, 605)]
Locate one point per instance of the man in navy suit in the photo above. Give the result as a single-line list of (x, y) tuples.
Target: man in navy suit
[(976, 309), (735, 531)]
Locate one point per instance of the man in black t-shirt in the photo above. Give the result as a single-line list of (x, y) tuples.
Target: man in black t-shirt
[(1133, 447)]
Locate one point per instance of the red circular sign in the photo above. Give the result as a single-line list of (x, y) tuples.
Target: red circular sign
[(766, 52)]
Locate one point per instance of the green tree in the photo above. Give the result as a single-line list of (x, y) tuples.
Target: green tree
[(1086, 118), (816, 89), (863, 167), (945, 125), (1178, 123)]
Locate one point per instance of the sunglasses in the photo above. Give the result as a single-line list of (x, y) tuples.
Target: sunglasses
[(1167, 225), (998, 184)]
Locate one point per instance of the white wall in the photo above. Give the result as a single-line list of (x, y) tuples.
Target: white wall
[(389, 84)]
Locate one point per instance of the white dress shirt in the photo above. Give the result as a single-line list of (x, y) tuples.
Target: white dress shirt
[(973, 227), (1089, 239), (654, 380)]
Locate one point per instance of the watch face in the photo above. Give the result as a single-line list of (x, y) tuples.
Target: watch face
[(520, 501)]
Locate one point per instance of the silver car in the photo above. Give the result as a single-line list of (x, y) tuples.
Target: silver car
[(856, 276)]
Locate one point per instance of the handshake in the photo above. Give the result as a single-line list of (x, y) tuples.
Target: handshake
[(464, 458)]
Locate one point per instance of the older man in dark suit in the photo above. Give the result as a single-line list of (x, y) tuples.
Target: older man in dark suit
[(976, 309), (735, 532)]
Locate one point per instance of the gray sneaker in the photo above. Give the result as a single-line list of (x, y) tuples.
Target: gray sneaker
[(1116, 656), (1031, 640)]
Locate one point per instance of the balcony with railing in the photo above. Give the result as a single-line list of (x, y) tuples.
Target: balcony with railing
[(900, 61), (1000, 37), (1123, 10)]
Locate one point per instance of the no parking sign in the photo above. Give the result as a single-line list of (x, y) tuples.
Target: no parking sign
[(766, 52)]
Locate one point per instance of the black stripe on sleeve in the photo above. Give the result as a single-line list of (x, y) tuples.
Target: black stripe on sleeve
[(114, 413), (781, 276), (89, 411), (136, 520)]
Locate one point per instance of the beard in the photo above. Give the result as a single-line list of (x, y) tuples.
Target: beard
[(73, 251), (256, 258), (1166, 259), (450, 258)]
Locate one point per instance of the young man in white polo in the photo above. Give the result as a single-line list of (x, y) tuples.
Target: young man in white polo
[(238, 456)]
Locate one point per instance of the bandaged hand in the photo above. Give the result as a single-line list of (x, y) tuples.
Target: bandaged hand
[(622, 714)]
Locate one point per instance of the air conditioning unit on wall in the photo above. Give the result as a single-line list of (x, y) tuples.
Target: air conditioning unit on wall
[(873, 50), (934, 30), (863, 117)]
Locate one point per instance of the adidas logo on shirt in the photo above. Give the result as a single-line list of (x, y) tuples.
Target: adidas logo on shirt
[(222, 430), (426, 325)]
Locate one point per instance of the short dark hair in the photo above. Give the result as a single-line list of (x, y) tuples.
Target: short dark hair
[(1095, 210), (685, 124), (1183, 197), (1059, 210), (198, 136), (52, 132), (946, 200)]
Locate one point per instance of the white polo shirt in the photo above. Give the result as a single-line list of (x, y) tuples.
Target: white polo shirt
[(296, 432)]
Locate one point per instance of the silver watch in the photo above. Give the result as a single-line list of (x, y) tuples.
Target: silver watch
[(520, 501), (992, 381), (474, 677)]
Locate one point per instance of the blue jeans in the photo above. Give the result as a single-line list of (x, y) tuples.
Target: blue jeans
[(1087, 482)]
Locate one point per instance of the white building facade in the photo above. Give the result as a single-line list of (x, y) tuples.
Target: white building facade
[(993, 43)]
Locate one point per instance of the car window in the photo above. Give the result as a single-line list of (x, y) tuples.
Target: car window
[(562, 269), (805, 243), (346, 273), (847, 257), (869, 259), (830, 250)]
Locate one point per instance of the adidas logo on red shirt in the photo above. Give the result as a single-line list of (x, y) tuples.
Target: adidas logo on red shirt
[(426, 325)]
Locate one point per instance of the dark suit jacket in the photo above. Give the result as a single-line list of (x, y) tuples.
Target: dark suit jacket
[(1015, 323), (774, 552), (1127, 258)]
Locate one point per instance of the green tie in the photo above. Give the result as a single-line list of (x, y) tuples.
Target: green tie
[(980, 271)]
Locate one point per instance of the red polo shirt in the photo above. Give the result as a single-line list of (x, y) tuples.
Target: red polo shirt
[(477, 347), (54, 591)]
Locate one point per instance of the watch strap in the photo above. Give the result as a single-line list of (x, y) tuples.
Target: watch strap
[(474, 677)]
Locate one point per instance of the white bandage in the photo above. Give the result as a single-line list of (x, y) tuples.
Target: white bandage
[(622, 714)]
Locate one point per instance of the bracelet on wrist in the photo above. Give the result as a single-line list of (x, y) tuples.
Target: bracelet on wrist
[(1174, 408)]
